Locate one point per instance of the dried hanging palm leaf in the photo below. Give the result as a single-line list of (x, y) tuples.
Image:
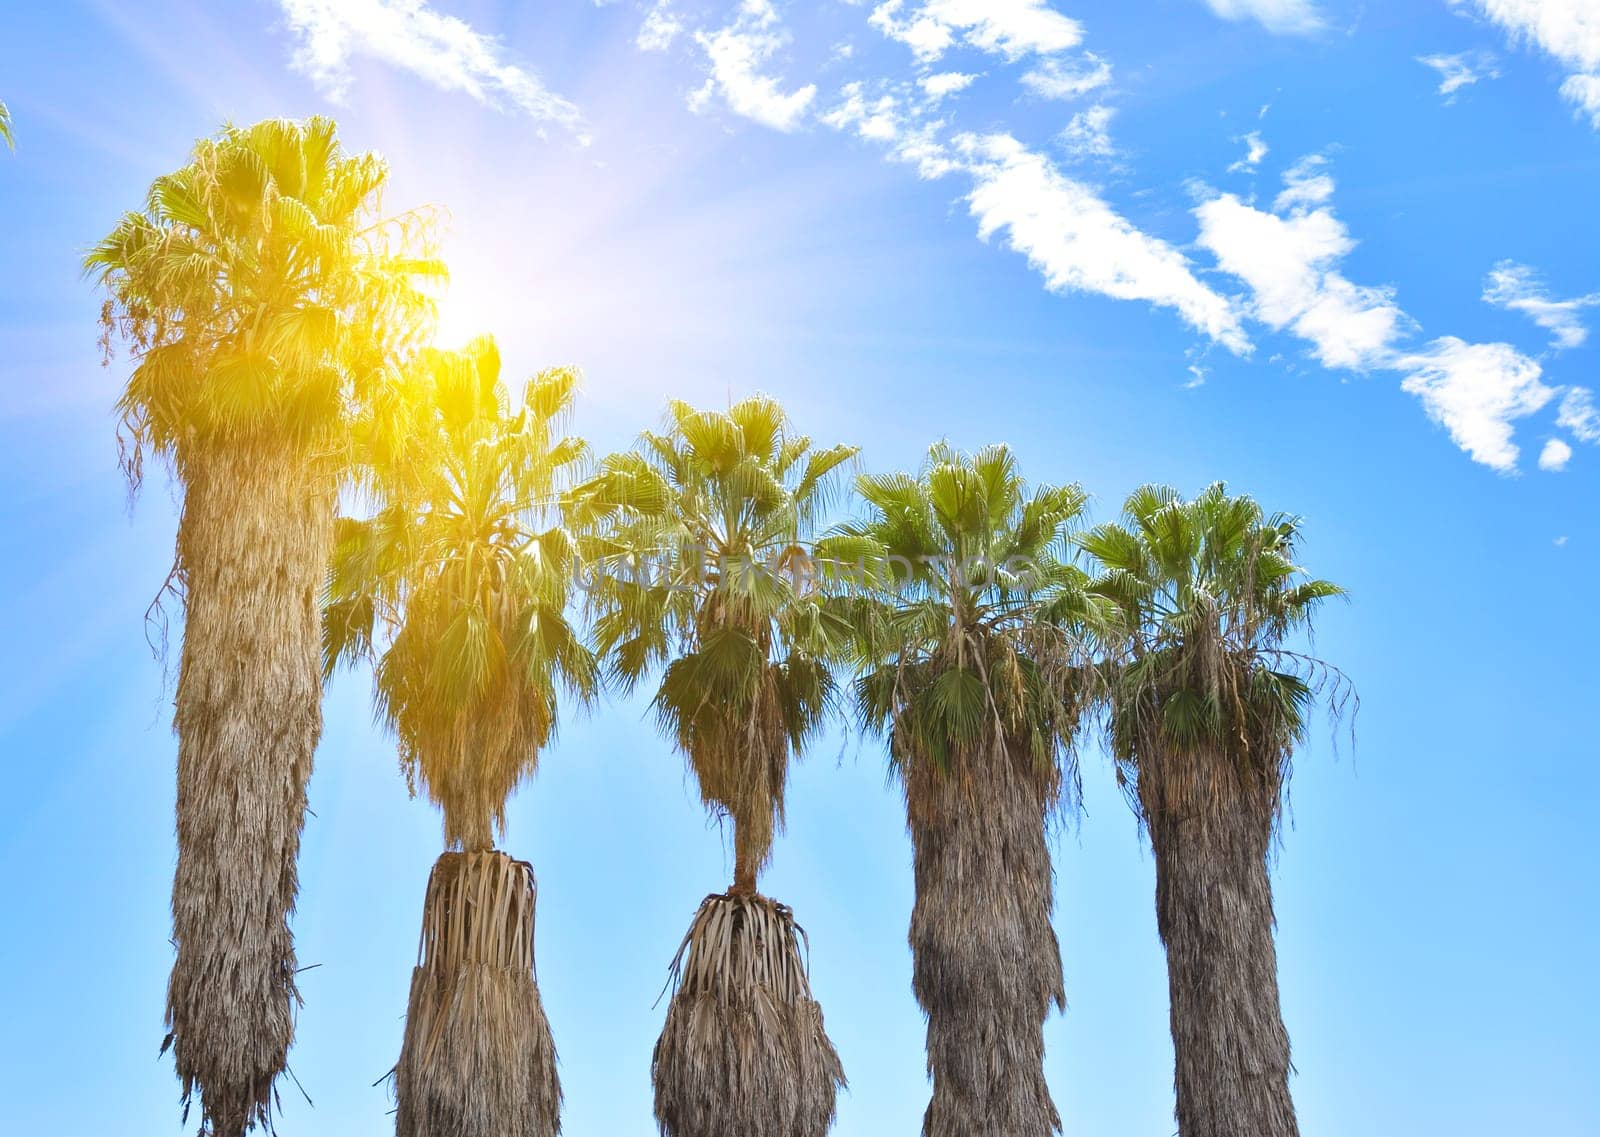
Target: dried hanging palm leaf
[(478, 1059), (744, 1052)]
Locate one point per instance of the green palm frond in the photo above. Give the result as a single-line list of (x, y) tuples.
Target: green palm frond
[(458, 583), (963, 612), (1198, 598), (696, 546)]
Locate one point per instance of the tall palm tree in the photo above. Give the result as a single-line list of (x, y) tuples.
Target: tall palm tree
[(952, 577), (262, 296), (1206, 706), (697, 546), (458, 584)]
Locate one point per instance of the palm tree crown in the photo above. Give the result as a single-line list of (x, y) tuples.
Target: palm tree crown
[(261, 294), (465, 570), (954, 575), (1203, 596), (697, 546)]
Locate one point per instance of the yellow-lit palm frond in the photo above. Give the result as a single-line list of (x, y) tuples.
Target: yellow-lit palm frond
[(262, 292), (458, 583)]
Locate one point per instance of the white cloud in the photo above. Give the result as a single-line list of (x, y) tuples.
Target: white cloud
[(1289, 264), (944, 83), (1077, 242), (1569, 30), (1560, 541), (1584, 92), (1012, 28), (1555, 455), (1290, 259), (1088, 134), (876, 119), (1285, 17), (408, 34), (1475, 390), (1579, 415), (1306, 184), (1255, 150), (660, 27), (1518, 288), (1460, 70), (737, 54), (1056, 79)]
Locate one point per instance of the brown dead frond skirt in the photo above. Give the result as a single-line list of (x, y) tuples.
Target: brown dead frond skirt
[(744, 1052), (478, 1059)]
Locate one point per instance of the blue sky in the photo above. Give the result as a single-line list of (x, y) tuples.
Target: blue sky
[(1341, 255)]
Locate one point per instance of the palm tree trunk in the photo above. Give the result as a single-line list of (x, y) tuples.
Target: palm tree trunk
[(252, 547), (744, 1052), (748, 853), (986, 964), (1214, 912), (478, 1058)]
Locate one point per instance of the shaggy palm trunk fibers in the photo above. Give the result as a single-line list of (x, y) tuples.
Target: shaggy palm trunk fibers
[(252, 550), (1214, 912), (744, 1052), (478, 1059), (986, 966)]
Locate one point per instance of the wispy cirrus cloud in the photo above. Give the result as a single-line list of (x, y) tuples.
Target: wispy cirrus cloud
[(945, 83), (1579, 415), (1088, 133), (1070, 235), (1255, 150), (442, 50), (1517, 287), (1568, 30), (1290, 259), (1057, 78), (1010, 28), (1282, 17), (738, 54), (1460, 70), (1079, 243), (660, 27)]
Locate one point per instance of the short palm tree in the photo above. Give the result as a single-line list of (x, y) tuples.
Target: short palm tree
[(699, 569), (1206, 706), (263, 297), (458, 586), (950, 582)]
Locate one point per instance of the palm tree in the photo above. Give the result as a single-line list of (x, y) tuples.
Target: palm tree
[(262, 297), (697, 542), (1206, 707), (950, 578), (458, 585)]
